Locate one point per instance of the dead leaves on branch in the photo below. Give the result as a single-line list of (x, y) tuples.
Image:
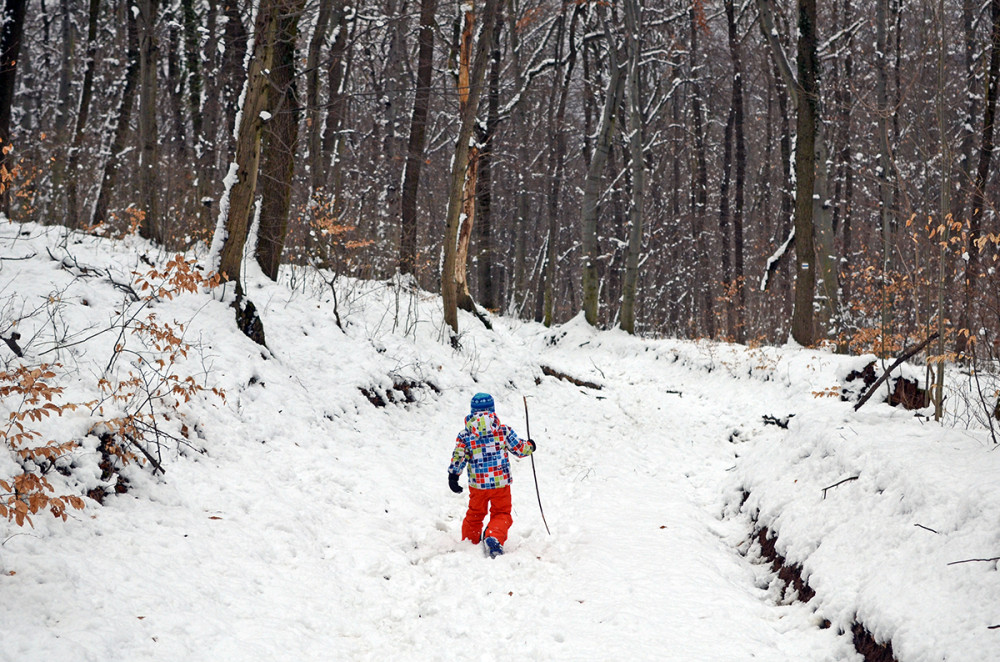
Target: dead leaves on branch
[(132, 409)]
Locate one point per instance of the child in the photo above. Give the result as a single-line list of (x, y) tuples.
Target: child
[(483, 445)]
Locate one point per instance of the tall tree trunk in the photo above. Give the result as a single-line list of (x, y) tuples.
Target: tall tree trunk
[(122, 118), (468, 216), (484, 192), (592, 186), (724, 220), (805, 95), (944, 212), (195, 89), (231, 238), (415, 147), (803, 327), (633, 23), (557, 168), (963, 161), (86, 92), (336, 114), (233, 75), (152, 225), (460, 162), (741, 157), (979, 203), (706, 304), (281, 137), (10, 49), (885, 190)]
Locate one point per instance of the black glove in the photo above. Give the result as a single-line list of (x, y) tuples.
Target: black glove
[(453, 483), (534, 446)]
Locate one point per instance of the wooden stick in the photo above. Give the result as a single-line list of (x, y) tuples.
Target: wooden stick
[(527, 429)]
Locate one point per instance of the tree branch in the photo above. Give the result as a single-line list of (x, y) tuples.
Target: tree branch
[(885, 375)]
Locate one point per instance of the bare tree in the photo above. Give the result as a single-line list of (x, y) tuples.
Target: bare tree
[(475, 76)]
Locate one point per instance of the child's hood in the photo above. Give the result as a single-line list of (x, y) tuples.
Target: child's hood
[(481, 423)]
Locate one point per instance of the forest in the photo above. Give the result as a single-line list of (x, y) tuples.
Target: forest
[(743, 170)]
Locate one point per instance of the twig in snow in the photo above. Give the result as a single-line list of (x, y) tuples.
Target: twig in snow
[(995, 558), (927, 528), (841, 482)]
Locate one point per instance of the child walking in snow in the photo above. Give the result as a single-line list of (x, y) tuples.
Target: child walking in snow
[(482, 445)]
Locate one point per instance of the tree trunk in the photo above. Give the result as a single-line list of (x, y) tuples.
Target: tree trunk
[(633, 23), (557, 171), (415, 147), (86, 92), (741, 157), (245, 166), (460, 162), (885, 191), (152, 225), (592, 184), (195, 88), (10, 49), (803, 328), (979, 203), (122, 119), (937, 393), (281, 137), (333, 139), (484, 191), (706, 305)]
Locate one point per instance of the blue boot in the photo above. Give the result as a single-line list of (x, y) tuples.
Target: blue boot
[(493, 547)]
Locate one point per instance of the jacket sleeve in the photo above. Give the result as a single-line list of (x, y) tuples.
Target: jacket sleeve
[(516, 445), (460, 457)]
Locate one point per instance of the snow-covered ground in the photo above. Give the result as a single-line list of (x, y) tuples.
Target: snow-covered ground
[(298, 521)]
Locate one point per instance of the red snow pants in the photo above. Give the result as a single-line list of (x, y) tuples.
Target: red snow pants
[(497, 503)]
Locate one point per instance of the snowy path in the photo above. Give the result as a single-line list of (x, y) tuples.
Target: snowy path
[(305, 538)]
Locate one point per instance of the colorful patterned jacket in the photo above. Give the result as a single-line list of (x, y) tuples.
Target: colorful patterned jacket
[(483, 445)]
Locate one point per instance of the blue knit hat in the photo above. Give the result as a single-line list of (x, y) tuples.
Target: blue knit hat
[(482, 402)]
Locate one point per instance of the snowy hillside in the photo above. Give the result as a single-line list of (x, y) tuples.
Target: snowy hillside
[(303, 511)]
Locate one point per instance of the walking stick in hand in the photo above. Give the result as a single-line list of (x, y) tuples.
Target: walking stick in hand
[(527, 428)]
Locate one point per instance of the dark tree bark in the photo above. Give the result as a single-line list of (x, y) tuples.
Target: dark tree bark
[(86, 92), (557, 168), (978, 198), (592, 186), (336, 113), (486, 135), (633, 24), (152, 225), (247, 160), (706, 304), (281, 135), (415, 147), (10, 50), (738, 326), (460, 163), (122, 118)]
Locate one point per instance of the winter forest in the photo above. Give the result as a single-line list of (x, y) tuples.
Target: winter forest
[(747, 170), (256, 256)]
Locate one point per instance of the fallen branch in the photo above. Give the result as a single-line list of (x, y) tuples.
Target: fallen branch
[(572, 380), (846, 480), (995, 558), (885, 375), (927, 528)]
